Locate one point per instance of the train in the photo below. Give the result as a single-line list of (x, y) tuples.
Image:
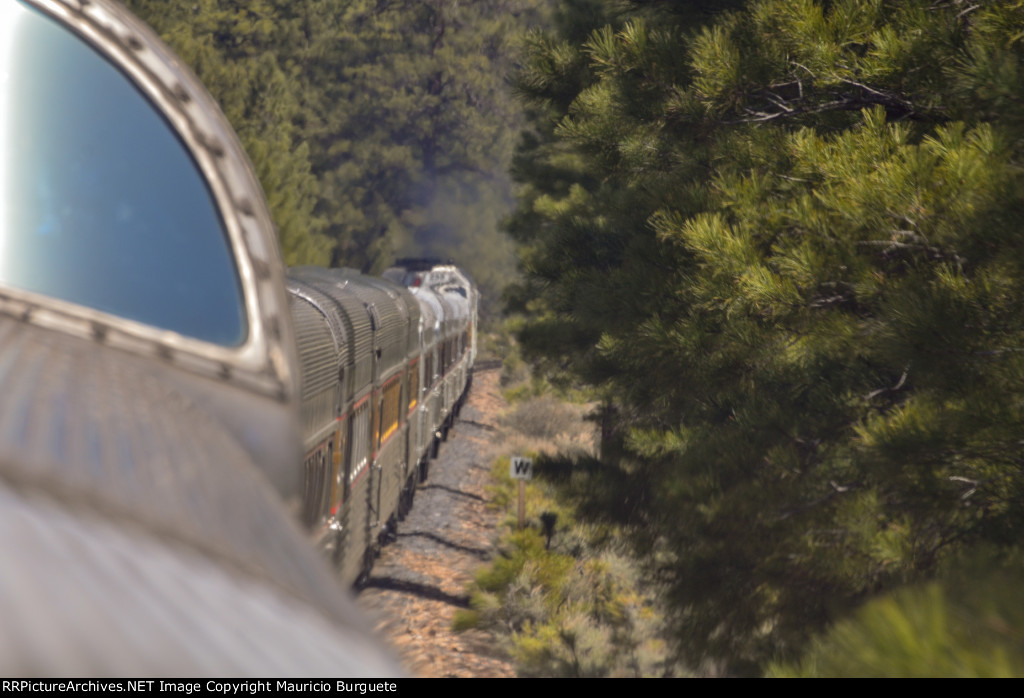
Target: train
[(385, 366), (183, 422)]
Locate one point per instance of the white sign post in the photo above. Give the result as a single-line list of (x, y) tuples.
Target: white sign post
[(521, 469)]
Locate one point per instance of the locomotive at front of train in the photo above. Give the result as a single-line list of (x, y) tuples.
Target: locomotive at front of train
[(150, 440), (459, 299)]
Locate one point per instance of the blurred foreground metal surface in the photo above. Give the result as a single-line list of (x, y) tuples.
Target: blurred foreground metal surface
[(147, 463)]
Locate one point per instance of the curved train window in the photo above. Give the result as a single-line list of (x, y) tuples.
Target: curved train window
[(360, 441), (100, 203), (414, 386), (390, 408)]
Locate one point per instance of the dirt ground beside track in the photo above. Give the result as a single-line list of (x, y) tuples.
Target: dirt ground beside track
[(420, 579)]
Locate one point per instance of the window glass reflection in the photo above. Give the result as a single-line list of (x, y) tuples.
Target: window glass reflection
[(100, 203)]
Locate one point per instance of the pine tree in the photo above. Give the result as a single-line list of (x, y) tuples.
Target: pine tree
[(413, 137), (782, 236), (376, 128)]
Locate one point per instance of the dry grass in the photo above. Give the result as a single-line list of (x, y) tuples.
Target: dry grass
[(547, 425)]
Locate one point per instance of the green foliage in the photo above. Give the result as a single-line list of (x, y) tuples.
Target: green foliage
[(952, 628), (785, 237), (376, 128), (574, 608), (410, 116)]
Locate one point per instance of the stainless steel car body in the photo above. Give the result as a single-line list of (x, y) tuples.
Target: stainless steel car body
[(145, 468), (398, 414)]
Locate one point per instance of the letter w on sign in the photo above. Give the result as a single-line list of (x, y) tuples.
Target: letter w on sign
[(520, 468)]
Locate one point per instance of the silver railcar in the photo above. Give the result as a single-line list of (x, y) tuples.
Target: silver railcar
[(150, 435), (387, 425)]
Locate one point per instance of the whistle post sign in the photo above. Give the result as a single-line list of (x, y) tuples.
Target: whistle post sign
[(520, 468)]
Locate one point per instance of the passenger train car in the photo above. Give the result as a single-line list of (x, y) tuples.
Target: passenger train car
[(385, 368), (159, 422)]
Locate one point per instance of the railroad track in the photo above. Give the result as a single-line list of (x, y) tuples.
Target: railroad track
[(420, 579)]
